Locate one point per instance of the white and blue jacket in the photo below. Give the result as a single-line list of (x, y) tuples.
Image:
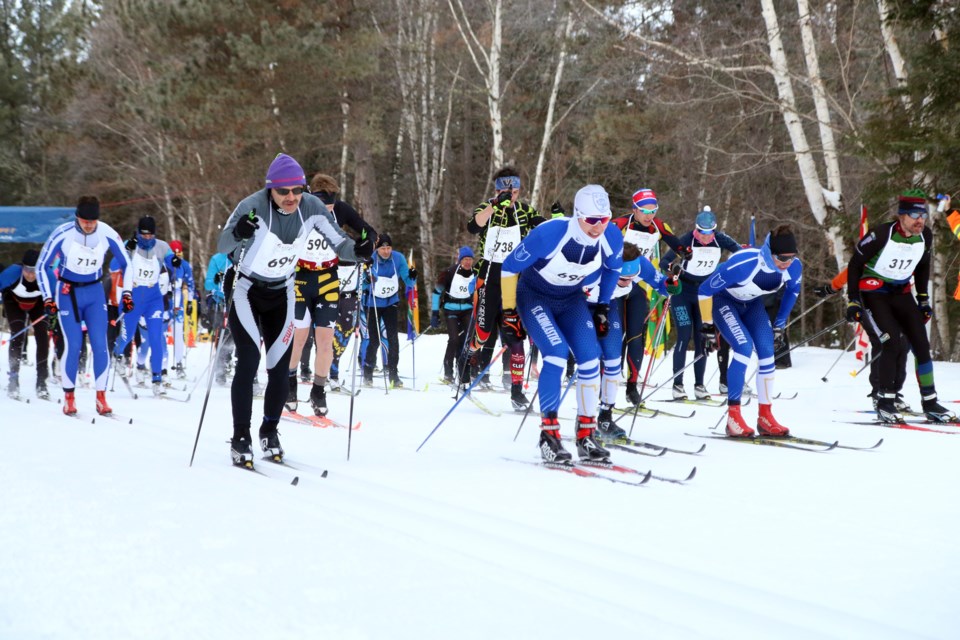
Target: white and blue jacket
[(83, 256), (750, 274), (558, 259)]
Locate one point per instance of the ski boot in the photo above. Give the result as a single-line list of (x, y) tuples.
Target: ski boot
[(13, 387), (181, 373), (318, 400), (901, 404), (935, 412), (606, 427), (270, 441), (736, 427), (679, 393), (102, 407), (395, 381), (768, 426), (140, 375), (723, 387), (700, 392), (887, 408), (158, 390), (367, 377), (69, 403), (633, 396), (520, 401), (241, 453), (42, 392), (551, 449), (291, 403), (588, 448), (305, 374)]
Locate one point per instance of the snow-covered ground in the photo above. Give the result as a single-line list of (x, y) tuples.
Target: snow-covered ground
[(105, 532)]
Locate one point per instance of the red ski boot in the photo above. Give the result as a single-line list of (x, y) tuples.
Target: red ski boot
[(736, 427), (768, 426), (69, 405), (102, 407)]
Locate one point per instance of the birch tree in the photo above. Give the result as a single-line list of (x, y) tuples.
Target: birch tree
[(486, 58), (425, 112)]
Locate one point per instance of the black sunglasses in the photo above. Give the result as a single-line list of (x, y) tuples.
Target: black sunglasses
[(784, 258), (282, 191)]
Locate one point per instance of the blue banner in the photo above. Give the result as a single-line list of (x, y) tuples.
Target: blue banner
[(32, 224)]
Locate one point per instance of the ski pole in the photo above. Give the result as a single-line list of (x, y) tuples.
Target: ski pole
[(527, 412), (842, 353), (807, 311), (657, 336), (573, 379), (353, 376), (226, 318), (24, 330), (381, 330), (465, 394), (867, 363)]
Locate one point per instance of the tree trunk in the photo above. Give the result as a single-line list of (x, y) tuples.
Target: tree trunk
[(548, 125), (791, 118)]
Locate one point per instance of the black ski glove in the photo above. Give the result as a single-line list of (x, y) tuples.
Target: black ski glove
[(923, 302), (709, 334), (823, 291), (854, 311), (601, 320), (246, 226)]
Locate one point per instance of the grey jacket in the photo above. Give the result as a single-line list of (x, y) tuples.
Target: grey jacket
[(263, 257)]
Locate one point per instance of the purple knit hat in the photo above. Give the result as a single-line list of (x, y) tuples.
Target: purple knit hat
[(284, 171)]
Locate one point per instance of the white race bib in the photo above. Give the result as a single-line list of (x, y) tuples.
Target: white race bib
[(146, 271), (703, 262), (318, 248), (500, 242), (348, 278), (898, 260), (560, 271), (386, 286), (646, 241), (460, 286), (275, 259), (83, 260)]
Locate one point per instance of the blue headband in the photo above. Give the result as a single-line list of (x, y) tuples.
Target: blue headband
[(507, 182)]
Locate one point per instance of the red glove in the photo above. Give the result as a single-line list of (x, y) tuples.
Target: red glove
[(126, 301), (50, 307)]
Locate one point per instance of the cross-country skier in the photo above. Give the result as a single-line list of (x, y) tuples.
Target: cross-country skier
[(501, 222), (317, 287), (643, 228), (149, 258), (265, 234), (609, 327), (77, 295), (542, 284), (23, 305), (706, 245), (387, 270), (184, 291), (453, 294), (733, 299), (880, 293)]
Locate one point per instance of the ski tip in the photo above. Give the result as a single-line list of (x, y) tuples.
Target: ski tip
[(93, 421), (130, 421), (324, 474), (693, 472), (295, 481), (646, 478), (879, 442), (663, 452)]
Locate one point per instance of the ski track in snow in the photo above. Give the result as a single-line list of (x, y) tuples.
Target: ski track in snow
[(107, 533)]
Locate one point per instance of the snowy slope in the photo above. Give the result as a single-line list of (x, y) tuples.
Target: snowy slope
[(107, 533)]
